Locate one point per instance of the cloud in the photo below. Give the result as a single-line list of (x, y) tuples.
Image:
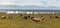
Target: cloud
[(55, 3), (20, 2), (5, 2), (28, 2), (44, 3)]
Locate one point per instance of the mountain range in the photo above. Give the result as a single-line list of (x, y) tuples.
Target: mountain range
[(28, 7)]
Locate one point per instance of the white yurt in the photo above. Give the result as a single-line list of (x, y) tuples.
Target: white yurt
[(29, 12), (10, 12)]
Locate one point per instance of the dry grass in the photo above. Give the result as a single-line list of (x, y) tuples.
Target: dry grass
[(18, 22)]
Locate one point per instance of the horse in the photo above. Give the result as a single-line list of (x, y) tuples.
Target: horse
[(25, 17), (3, 17), (10, 17), (42, 17), (34, 19), (20, 15), (54, 17), (28, 16), (57, 17)]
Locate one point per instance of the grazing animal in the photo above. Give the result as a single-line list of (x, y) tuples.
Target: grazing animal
[(10, 17), (36, 19), (3, 17), (20, 15), (28, 16), (25, 17), (42, 17), (57, 16), (54, 17), (32, 17)]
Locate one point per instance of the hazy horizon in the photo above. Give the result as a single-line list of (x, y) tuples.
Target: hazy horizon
[(29, 7)]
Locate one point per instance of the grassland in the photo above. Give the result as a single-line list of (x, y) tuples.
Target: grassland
[(18, 22)]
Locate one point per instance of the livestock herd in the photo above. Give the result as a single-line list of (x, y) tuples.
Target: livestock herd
[(4, 17), (34, 19), (54, 17)]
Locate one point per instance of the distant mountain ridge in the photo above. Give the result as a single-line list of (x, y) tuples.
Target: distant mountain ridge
[(26, 7)]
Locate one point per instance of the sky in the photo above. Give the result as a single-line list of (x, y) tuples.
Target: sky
[(45, 3)]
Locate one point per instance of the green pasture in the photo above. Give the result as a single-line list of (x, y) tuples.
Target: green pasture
[(18, 22)]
